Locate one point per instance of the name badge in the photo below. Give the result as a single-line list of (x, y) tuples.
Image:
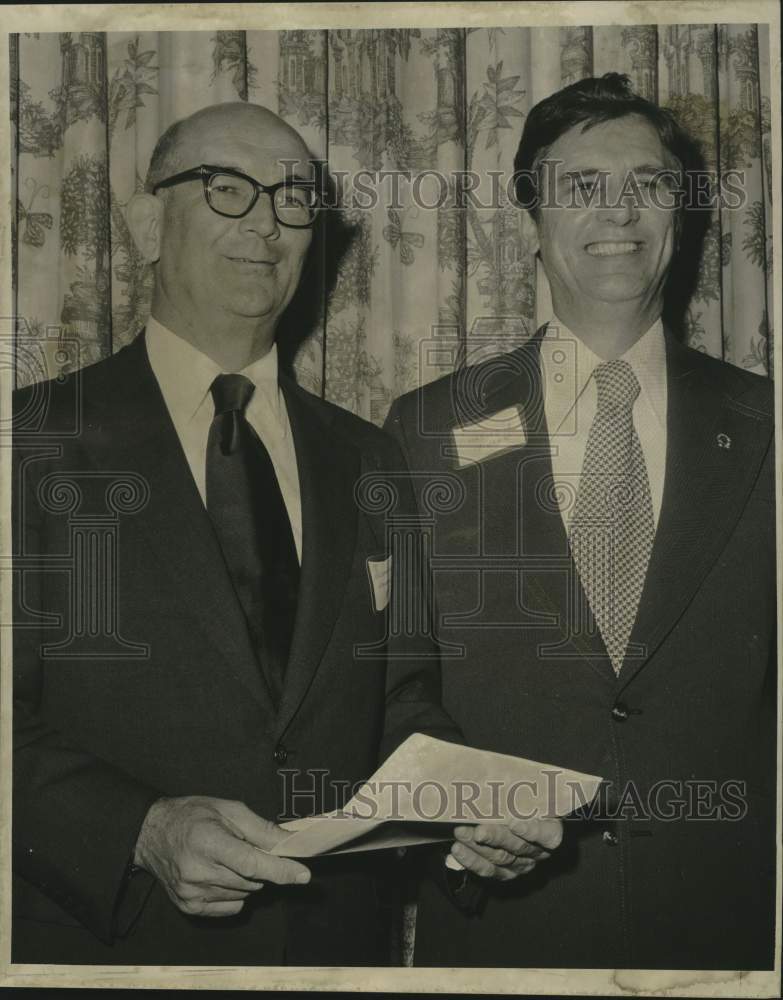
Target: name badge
[(494, 434)]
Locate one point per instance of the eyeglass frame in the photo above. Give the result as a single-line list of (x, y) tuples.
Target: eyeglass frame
[(206, 172)]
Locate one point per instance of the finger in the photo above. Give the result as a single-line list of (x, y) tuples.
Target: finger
[(472, 861), (506, 865), (189, 892), (224, 878), (485, 868), (205, 908), (256, 865), (499, 836), (210, 894), (517, 837), (239, 856), (547, 833), (497, 855), (197, 875), (521, 866), (258, 831)]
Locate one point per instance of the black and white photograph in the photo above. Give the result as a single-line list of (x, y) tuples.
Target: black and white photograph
[(390, 506)]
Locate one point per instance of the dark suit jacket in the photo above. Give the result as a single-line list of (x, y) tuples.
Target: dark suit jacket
[(697, 702), (156, 691)]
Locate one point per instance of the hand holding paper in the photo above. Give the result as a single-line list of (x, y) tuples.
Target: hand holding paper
[(209, 854), (503, 852), (428, 787)]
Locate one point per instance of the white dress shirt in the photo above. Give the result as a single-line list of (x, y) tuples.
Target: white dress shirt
[(570, 400), (184, 375)]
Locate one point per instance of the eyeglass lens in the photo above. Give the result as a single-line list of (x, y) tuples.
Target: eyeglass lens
[(233, 196)]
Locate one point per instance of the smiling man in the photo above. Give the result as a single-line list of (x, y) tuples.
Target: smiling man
[(610, 575), (160, 730)]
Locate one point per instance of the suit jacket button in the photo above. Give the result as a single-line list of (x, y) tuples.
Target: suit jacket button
[(620, 712), (280, 754), (610, 839)]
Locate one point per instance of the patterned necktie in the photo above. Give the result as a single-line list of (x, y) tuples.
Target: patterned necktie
[(612, 526), (247, 509)]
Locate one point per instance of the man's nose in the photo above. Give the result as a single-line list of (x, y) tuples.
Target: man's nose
[(621, 207), (261, 218)]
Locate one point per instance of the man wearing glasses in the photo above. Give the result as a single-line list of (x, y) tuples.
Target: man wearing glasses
[(247, 577)]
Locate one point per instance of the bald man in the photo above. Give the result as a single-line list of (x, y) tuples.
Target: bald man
[(147, 777)]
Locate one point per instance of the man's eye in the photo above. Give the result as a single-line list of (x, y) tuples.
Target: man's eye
[(584, 184), (296, 198), (224, 188)]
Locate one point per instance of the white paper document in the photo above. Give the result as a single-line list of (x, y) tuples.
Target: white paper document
[(428, 786)]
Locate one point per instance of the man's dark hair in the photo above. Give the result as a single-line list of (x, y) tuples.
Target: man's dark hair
[(589, 102)]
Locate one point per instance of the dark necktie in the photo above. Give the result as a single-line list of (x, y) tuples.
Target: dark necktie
[(612, 527), (247, 509)]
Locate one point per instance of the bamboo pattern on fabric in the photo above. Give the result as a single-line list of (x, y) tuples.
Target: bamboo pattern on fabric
[(418, 290)]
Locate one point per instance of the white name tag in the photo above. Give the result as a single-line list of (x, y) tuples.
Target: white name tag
[(380, 571), (499, 432)]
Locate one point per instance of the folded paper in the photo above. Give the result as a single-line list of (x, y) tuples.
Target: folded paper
[(428, 786)]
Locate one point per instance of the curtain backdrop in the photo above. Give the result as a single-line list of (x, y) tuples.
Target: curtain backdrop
[(419, 291)]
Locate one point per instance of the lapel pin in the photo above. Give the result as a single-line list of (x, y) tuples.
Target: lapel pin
[(724, 441)]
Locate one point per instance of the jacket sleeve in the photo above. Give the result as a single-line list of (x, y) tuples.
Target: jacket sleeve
[(75, 817), (413, 688), (414, 692)]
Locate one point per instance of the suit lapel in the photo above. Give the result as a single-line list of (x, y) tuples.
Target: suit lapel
[(328, 470), (522, 515), (139, 435), (706, 488)]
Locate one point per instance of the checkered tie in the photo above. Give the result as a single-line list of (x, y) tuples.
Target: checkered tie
[(612, 527)]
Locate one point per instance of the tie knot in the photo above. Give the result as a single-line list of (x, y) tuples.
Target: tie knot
[(617, 386), (231, 392)]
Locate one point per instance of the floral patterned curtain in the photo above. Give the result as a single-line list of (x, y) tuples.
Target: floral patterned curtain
[(419, 291)]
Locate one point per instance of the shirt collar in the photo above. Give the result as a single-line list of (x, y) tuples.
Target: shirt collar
[(565, 354), (185, 374)]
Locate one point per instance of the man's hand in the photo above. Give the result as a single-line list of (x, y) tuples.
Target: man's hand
[(209, 854), (504, 851)]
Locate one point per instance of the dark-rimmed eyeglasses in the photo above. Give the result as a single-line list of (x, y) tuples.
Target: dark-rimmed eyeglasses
[(232, 193)]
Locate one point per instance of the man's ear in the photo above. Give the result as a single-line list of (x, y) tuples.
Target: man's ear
[(145, 221), (530, 240)]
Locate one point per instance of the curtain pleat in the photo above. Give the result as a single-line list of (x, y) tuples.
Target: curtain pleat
[(501, 275)]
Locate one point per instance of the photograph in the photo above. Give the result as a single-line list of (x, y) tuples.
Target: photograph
[(390, 506)]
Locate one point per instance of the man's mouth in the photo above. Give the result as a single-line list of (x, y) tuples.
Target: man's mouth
[(613, 249), (250, 260)]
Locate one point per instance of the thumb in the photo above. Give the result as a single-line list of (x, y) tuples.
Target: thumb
[(256, 830)]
